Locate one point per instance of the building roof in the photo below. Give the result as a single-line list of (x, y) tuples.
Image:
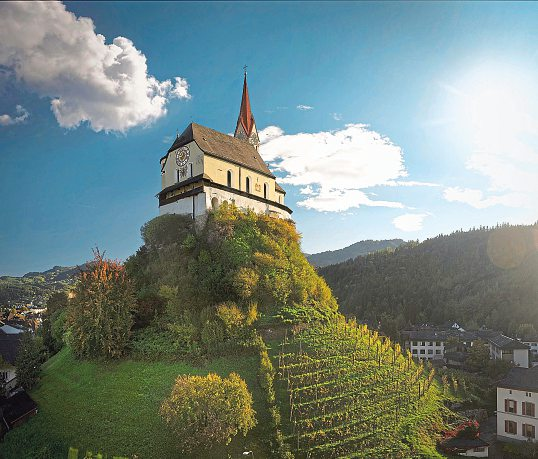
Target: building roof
[(9, 346), (507, 343), (17, 406), (222, 146), (246, 118), (521, 379), (464, 444)]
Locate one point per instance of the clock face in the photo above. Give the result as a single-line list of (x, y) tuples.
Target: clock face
[(182, 156)]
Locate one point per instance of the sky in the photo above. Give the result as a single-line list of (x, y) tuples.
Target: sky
[(380, 120)]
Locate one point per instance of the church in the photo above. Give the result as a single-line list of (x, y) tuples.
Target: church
[(205, 168)]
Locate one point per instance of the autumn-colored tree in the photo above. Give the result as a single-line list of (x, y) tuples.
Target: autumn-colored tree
[(207, 410), (99, 316)]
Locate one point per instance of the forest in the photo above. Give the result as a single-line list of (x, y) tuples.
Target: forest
[(481, 277)]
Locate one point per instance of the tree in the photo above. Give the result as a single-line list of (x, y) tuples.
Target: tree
[(526, 332), (207, 410), (478, 358), (99, 315), (30, 356)]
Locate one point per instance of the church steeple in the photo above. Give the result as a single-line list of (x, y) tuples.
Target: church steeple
[(246, 126)]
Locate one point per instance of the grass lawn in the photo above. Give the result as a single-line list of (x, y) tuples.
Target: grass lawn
[(113, 408)]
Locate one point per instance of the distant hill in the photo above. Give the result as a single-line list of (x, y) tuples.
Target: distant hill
[(486, 276), (332, 257), (35, 286)]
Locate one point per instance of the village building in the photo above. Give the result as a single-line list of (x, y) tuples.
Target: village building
[(511, 350), (467, 447), (205, 168), (517, 396), (453, 343), (10, 339)]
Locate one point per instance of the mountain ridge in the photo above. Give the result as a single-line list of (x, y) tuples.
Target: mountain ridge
[(331, 257)]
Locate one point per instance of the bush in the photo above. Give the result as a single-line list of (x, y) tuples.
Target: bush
[(173, 343), (206, 410), (99, 316)]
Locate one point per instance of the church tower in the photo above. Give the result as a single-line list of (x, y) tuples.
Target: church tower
[(246, 126)]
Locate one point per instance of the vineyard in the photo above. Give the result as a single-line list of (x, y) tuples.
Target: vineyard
[(351, 393)]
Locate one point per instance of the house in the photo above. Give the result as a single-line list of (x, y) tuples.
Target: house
[(426, 344), (503, 347), (469, 447), (10, 339), (517, 397), (205, 168)]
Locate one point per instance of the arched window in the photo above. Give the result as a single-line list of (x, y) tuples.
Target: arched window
[(265, 190), (248, 185), (229, 177), (214, 203)]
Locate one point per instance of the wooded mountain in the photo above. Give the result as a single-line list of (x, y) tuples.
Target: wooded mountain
[(35, 286), (485, 276), (331, 257)]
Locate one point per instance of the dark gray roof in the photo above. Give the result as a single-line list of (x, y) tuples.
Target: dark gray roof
[(507, 343), (9, 346), (17, 407), (521, 379), (462, 443), (222, 146)]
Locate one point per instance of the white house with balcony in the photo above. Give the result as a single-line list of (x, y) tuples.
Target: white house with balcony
[(517, 397)]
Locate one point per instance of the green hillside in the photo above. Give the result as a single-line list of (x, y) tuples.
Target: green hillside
[(234, 296), (35, 286), (486, 276), (113, 408), (331, 257)]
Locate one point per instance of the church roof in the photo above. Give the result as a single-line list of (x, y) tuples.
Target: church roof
[(223, 146), (245, 113)]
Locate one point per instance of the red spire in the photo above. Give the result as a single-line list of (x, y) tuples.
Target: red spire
[(245, 114)]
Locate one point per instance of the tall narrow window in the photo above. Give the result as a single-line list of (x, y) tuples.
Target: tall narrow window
[(177, 175), (510, 406), (190, 169), (265, 190), (229, 179), (527, 408), (529, 431), (510, 427), (247, 189)]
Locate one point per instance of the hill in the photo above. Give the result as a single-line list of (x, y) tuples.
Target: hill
[(485, 276), (35, 286), (236, 295), (332, 257)]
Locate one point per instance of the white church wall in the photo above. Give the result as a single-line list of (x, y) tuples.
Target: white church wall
[(215, 196), (196, 157), (184, 206)]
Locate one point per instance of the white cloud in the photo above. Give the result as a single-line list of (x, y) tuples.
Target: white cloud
[(409, 222), (335, 167), (304, 107), (20, 117), (59, 56), (476, 198), (336, 116)]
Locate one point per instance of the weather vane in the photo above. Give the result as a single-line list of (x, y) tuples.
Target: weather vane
[(245, 68)]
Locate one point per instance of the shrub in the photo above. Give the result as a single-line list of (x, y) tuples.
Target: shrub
[(206, 410), (99, 316)]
